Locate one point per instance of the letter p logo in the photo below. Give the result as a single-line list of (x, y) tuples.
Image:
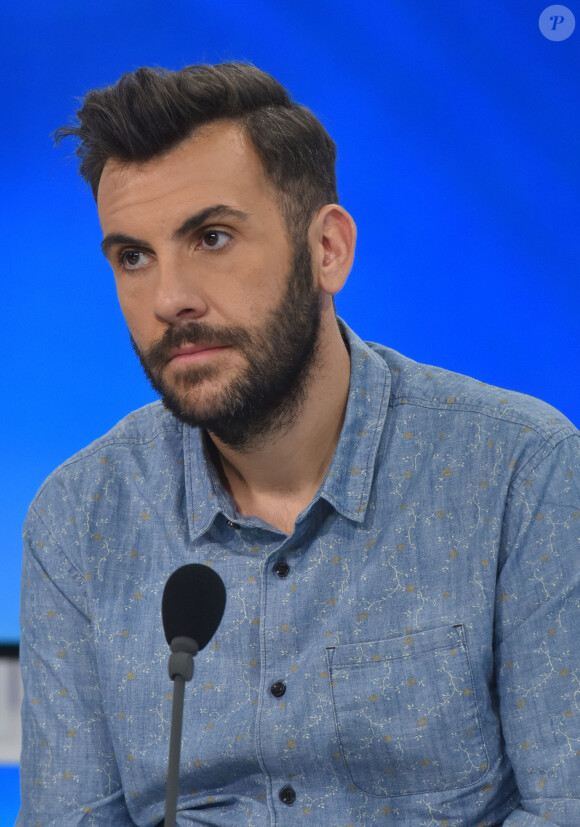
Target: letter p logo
[(557, 22)]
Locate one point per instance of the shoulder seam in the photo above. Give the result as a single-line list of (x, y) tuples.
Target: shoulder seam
[(483, 411), (40, 519), (547, 448), (100, 444)]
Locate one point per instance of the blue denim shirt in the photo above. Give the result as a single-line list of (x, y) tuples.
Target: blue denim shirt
[(426, 632)]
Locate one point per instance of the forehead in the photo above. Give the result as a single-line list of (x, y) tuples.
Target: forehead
[(217, 165)]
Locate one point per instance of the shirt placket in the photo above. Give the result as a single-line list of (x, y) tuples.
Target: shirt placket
[(279, 647)]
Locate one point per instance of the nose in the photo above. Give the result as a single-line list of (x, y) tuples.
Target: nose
[(178, 297)]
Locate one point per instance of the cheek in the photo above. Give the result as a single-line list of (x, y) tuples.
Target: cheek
[(249, 295), (137, 313), (125, 304)]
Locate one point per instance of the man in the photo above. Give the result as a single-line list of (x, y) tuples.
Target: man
[(398, 543)]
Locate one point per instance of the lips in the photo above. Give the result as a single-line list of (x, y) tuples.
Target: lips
[(188, 353)]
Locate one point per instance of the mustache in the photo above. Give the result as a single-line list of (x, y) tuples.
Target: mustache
[(193, 333)]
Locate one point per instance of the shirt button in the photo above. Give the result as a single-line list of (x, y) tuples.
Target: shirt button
[(287, 795), (281, 568), (278, 689)]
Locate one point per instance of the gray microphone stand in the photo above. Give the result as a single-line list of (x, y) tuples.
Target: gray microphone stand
[(180, 670)]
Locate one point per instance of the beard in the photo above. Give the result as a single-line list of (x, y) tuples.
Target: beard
[(265, 397)]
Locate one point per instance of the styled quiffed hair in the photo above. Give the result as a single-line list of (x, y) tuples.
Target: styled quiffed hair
[(150, 111)]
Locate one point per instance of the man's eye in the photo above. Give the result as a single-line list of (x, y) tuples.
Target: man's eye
[(214, 239), (133, 259)]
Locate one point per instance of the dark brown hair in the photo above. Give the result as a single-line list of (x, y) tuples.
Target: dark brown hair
[(149, 111)]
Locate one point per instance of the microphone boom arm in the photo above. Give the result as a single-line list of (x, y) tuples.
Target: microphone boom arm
[(180, 670)]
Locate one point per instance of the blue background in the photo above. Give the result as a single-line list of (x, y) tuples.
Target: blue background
[(457, 126)]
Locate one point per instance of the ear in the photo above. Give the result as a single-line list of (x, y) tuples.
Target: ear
[(332, 238)]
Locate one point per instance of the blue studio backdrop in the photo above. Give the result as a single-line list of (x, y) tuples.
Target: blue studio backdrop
[(457, 127)]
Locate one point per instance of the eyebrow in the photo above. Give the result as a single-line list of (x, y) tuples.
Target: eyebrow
[(189, 225)]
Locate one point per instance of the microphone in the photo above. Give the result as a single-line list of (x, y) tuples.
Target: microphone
[(193, 603)]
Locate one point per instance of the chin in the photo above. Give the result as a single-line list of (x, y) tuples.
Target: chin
[(196, 407)]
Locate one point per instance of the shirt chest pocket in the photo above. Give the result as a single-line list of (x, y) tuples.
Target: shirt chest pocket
[(406, 714)]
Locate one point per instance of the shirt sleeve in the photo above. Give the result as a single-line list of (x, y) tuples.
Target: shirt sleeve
[(69, 774), (537, 638)]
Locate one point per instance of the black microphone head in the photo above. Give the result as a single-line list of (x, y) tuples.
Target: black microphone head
[(194, 599)]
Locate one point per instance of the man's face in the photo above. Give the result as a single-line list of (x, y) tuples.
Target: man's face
[(221, 307)]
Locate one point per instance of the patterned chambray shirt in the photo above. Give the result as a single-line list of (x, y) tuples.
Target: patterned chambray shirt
[(409, 656)]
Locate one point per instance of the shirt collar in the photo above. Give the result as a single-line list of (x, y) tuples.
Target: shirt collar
[(205, 494), (349, 478), (350, 475)]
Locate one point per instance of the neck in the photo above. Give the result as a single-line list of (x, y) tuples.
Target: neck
[(277, 477)]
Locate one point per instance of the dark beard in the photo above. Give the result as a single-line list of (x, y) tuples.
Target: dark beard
[(266, 397)]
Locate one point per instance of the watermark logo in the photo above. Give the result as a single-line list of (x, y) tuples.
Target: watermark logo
[(557, 22)]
